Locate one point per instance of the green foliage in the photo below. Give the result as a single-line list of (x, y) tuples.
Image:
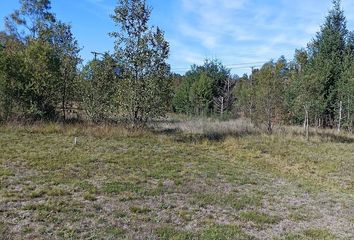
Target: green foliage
[(33, 20), (41, 80), (317, 84), (263, 97), (30, 79), (325, 67), (244, 97), (10, 77), (98, 88), (201, 94), (200, 88), (346, 85), (144, 91), (181, 102), (38, 68), (67, 50)]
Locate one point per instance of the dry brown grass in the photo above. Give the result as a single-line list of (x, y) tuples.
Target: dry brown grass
[(122, 183), (242, 127)]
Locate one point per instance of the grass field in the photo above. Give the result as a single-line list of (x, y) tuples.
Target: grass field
[(170, 183)]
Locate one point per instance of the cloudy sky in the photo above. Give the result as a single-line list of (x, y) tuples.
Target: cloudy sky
[(240, 33)]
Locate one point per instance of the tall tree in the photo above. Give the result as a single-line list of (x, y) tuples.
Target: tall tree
[(244, 96), (326, 56), (201, 94), (33, 19), (67, 50), (98, 88), (345, 87), (142, 52), (181, 102), (269, 86), (212, 78)]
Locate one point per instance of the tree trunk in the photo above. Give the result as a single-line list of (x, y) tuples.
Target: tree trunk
[(270, 127), (306, 124), (348, 115), (222, 107), (340, 116)]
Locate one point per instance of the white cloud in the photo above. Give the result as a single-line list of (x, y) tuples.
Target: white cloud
[(249, 30)]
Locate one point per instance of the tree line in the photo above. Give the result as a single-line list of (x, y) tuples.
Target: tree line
[(42, 77), (315, 89)]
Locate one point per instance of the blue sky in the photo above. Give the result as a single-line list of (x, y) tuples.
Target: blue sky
[(240, 33)]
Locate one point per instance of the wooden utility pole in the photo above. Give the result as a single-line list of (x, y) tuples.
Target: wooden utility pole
[(96, 54)]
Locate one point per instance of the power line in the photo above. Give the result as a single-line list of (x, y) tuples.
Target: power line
[(249, 63), (232, 66)]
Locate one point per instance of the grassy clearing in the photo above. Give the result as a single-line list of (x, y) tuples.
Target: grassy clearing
[(174, 183)]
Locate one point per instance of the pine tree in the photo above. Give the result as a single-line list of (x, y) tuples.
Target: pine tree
[(326, 56), (214, 79), (345, 86), (201, 94)]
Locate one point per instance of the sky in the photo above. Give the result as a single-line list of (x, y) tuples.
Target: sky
[(239, 33)]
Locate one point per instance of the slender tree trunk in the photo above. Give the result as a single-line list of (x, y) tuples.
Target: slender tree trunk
[(306, 123), (269, 121), (348, 114), (270, 127), (340, 116), (222, 107), (64, 99)]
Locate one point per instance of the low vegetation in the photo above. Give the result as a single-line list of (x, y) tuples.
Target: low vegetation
[(172, 182)]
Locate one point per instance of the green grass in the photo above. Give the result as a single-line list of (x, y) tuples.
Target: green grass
[(310, 234), (259, 218), (120, 184), (220, 232)]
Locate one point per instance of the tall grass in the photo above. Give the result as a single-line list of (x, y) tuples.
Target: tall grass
[(210, 128), (216, 129), (104, 130)]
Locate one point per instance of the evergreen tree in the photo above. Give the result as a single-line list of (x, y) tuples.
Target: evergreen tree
[(326, 57), (209, 82), (201, 94), (345, 87), (181, 100)]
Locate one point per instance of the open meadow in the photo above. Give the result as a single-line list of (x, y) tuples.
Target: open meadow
[(176, 120), (181, 179)]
